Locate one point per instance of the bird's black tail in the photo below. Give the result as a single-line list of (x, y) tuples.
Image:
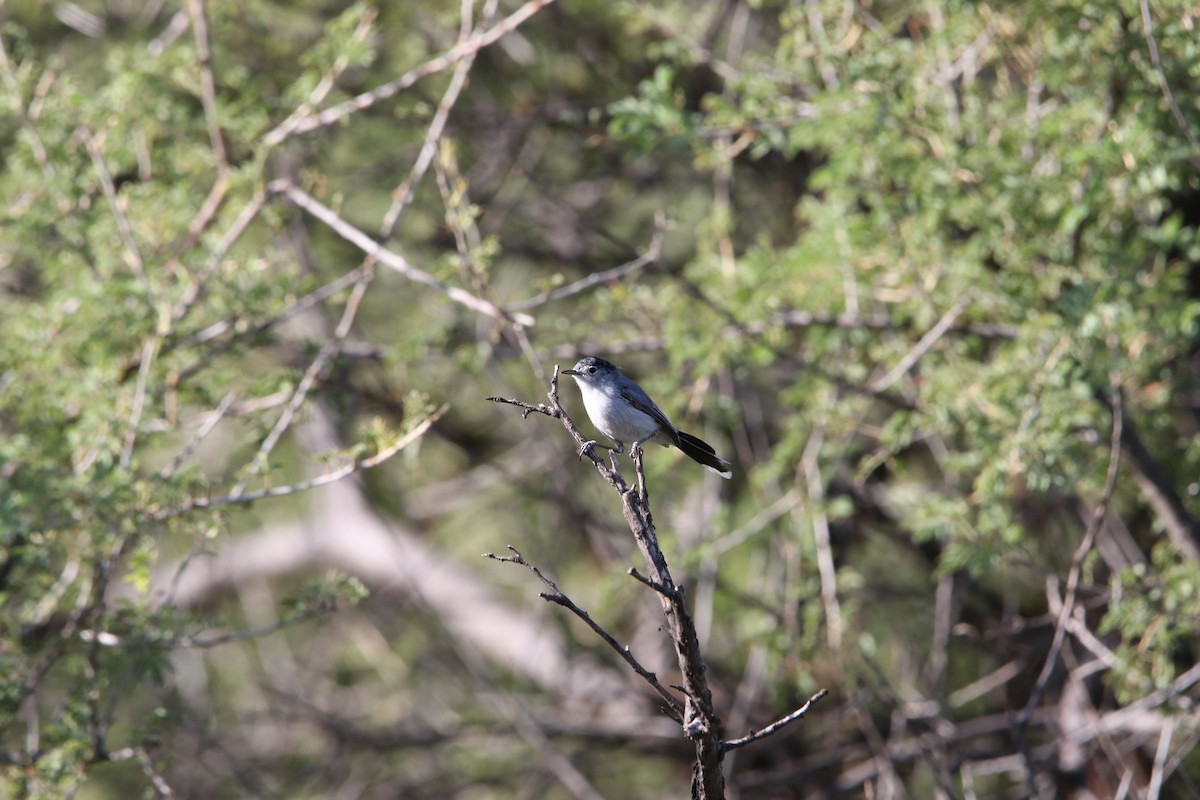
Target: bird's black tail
[(700, 451)]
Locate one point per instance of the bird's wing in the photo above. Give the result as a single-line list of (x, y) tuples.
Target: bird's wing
[(642, 402)]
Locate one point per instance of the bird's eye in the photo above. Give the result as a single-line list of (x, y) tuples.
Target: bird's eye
[(591, 370)]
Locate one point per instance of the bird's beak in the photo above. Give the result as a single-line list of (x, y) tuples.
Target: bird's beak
[(570, 372)]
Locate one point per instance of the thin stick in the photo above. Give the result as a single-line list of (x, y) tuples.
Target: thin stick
[(244, 497), (1156, 59), (658, 587), (555, 595), (921, 347), (324, 86), (754, 736), (139, 402), (133, 255), (651, 256), (1073, 576), (327, 352), (403, 194), (210, 422), (208, 99), (435, 65), (388, 258)]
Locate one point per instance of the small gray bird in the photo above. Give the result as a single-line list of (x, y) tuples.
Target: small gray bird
[(624, 412)]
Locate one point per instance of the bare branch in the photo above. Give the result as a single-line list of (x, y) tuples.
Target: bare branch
[(435, 65), (651, 256), (658, 587), (555, 595), (1168, 95), (139, 402), (133, 256), (754, 736), (243, 497), (529, 408), (208, 99), (921, 347), (402, 195), (388, 258), (555, 409), (1076, 570), (700, 722)]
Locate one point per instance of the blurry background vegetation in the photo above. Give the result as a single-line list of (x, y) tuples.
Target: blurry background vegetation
[(913, 266)]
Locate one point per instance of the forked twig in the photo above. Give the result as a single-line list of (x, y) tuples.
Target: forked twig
[(555, 595)]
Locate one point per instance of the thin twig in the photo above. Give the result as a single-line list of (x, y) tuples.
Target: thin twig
[(139, 402), (1073, 576), (403, 194), (241, 330), (244, 497), (921, 347), (324, 86), (208, 99), (435, 65), (658, 587), (196, 288), (555, 410), (143, 758), (133, 255), (529, 408), (388, 258), (1161, 73), (651, 256), (754, 736), (555, 595), (822, 540), (324, 355), (325, 606), (1158, 773), (210, 422)]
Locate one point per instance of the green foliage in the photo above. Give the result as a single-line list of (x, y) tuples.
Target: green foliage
[(1155, 618)]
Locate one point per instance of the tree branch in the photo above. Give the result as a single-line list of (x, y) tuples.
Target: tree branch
[(555, 595), (699, 720), (388, 258), (329, 116), (754, 736)]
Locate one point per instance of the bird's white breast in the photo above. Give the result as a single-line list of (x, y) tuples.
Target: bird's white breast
[(615, 417)]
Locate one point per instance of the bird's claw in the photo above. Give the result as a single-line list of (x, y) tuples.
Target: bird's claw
[(586, 448)]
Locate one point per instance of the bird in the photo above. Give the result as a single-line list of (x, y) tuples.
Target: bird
[(623, 412)]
